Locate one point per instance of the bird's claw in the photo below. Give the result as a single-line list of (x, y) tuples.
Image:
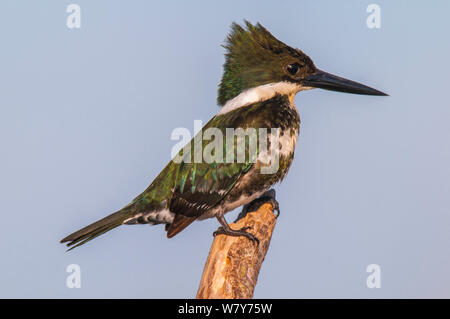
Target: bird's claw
[(240, 232), (218, 231), (266, 199), (275, 206)]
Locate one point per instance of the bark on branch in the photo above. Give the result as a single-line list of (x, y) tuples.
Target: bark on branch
[(233, 264)]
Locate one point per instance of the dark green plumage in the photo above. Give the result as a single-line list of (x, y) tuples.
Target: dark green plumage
[(255, 57), (200, 183), (98, 228)]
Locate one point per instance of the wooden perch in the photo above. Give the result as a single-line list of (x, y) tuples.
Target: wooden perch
[(233, 263)]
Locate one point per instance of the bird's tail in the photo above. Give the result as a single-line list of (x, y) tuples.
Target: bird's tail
[(98, 228)]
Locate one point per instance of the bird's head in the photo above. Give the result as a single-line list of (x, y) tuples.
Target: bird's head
[(255, 57)]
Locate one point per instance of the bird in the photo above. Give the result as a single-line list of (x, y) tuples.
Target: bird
[(261, 76)]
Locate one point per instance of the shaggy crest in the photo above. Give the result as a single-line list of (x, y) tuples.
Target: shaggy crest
[(255, 57)]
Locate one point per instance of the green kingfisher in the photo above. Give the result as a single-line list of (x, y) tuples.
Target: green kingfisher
[(260, 79)]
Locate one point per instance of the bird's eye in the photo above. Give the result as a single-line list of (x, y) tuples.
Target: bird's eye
[(293, 68)]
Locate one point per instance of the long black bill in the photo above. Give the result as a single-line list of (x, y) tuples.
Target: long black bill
[(328, 81)]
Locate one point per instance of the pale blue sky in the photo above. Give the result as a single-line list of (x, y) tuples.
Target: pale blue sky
[(85, 123)]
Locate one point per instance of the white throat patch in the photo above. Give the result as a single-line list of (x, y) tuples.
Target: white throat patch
[(260, 93)]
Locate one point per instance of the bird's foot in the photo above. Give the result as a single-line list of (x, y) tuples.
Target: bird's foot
[(267, 197), (239, 232)]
